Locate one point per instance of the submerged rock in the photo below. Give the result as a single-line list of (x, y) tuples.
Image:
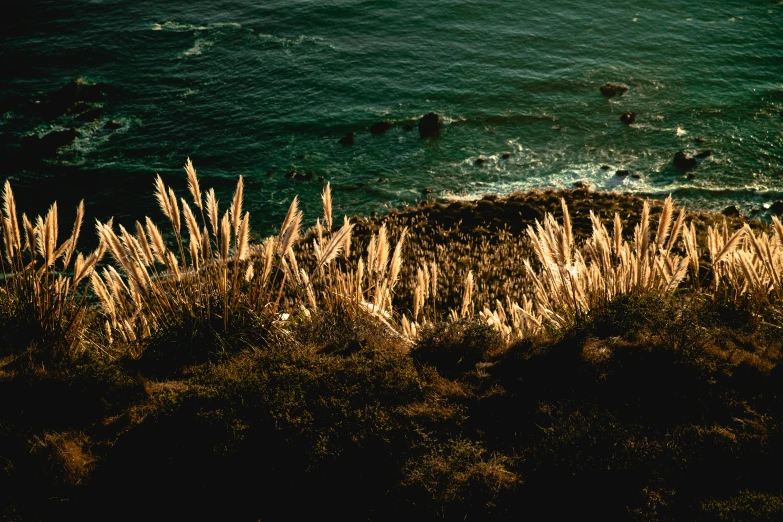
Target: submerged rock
[(380, 127), (429, 125), (348, 139), (304, 176), (480, 161), (90, 115), (628, 117), (705, 154), (71, 94), (506, 155), (612, 89), (408, 127), (684, 161), (48, 144), (112, 125)]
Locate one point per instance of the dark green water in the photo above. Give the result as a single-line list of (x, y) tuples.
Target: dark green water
[(262, 88)]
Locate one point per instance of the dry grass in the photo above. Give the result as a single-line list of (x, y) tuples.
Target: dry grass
[(211, 276), (68, 453), (42, 300)]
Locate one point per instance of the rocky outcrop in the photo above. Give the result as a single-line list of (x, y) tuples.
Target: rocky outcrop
[(348, 139), (48, 144), (429, 125), (380, 127), (90, 115), (62, 100), (684, 161), (610, 90)]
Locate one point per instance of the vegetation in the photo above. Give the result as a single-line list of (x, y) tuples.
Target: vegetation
[(576, 367)]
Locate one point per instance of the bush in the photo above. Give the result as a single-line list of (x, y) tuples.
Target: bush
[(746, 506), (456, 348)]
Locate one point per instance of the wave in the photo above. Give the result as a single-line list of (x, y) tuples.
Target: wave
[(176, 27), (297, 41), (198, 47)]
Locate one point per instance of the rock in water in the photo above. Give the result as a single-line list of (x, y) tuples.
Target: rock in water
[(429, 125), (705, 154), (90, 115), (480, 161), (622, 173), (683, 161), (506, 155), (380, 127), (112, 125), (48, 144), (612, 89), (408, 127), (72, 93), (628, 117), (730, 211), (777, 207), (348, 138)]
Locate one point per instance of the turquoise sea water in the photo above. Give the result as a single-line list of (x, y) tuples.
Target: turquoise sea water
[(263, 88)]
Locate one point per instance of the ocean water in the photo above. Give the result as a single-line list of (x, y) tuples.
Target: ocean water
[(263, 88)]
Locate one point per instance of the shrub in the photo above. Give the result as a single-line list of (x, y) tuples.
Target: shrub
[(456, 348), (746, 506)]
